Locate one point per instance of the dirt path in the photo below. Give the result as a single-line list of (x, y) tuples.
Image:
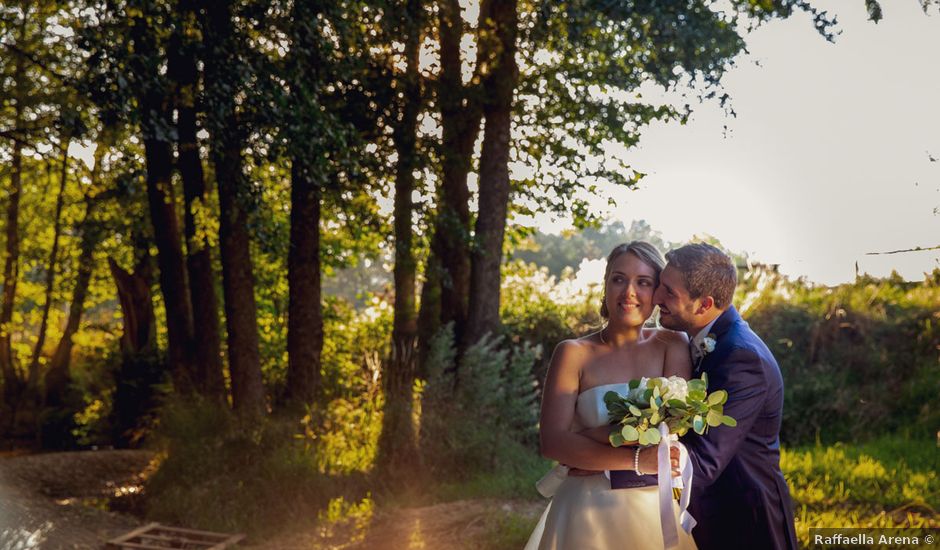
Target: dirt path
[(58, 500), (452, 525)]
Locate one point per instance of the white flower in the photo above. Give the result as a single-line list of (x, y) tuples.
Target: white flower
[(708, 343), (636, 394), (675, 387)]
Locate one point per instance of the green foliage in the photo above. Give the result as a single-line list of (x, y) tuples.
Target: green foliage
[(479, 415), (568, 250), (638, 422), (858, 359), (540, 308), (218, 474)]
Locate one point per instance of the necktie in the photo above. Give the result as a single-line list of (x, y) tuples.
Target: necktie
[(697, 354), (696, 351)]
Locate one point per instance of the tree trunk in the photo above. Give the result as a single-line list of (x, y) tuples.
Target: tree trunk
[(460, 126), (135, 395), (397, 445), (304, 313), (57, 375), (429, 314), (12, 383), (304, 310), (33, 379), (207, 347), (499, 44), (237, 277), (167, 236), (173, 283), (239, 286)]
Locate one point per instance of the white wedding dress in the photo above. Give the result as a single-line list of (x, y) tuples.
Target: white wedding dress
[(586, 514)]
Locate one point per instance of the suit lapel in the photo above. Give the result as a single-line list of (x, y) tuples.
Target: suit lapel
[(721, 327)]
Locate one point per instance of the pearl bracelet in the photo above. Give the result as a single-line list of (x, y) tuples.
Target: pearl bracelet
[(636, 461)]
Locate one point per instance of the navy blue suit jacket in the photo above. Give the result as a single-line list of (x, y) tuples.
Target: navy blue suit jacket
[(739, 496)]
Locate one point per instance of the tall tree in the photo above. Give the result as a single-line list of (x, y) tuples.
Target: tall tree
[(499, 21), (90, 233), (307, 178), (461, 113), (153, 98), (33, 370), (226, 76), (397, 444), (183, 54)]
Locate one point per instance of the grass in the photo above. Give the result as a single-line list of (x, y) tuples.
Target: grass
[(888, 482)]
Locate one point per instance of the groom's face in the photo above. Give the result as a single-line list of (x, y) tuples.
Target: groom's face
[(677, 310)]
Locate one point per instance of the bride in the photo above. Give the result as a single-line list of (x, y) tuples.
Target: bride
[(585, 513)]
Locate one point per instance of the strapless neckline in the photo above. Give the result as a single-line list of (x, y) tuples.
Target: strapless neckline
[(603, 386)]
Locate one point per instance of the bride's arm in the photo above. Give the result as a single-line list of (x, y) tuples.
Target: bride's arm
[(559, 397), (678, 362)]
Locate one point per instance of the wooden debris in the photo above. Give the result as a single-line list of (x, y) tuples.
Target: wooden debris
[(159, 537)]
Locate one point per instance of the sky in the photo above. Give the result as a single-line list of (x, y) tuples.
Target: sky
[(828, 158)]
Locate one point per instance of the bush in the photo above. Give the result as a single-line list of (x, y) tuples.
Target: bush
[(859, 360), (480, 415)]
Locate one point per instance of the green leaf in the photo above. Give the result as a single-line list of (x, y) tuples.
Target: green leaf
[(677, 404), (697, 395), (633, 384), (717, 397), (654, 418), (652, 436), (697, 385), (698, 424), (616, 439), (728, 421), (612, 398), (630, 433), (713, 419), (635, 411)]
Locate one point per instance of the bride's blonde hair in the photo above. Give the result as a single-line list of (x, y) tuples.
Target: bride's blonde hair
[(643, 250)]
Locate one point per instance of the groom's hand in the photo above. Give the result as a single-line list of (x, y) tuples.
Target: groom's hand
[(649, 460)]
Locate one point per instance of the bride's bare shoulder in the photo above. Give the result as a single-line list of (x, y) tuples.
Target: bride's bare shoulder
[(575, 350), (666, 337)]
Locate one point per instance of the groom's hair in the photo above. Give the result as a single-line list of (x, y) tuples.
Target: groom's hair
[(707, 271)]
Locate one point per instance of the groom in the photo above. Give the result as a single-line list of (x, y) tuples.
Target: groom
[(739, 496)]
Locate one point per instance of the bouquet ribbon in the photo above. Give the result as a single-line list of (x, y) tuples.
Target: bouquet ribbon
[(666, 483)]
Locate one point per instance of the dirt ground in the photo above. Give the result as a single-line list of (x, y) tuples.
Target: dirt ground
[(450, 525), (60, 501)]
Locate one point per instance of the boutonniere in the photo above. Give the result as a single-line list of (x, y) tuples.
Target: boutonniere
[(708, 344)]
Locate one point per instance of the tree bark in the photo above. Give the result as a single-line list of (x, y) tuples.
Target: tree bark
[(397, 444), (12, 383), (304, 311), (460, 126), (237, 277), (205, 303), (57, 375), (174, 282), (33, 379), (498, 41), (134, 393)]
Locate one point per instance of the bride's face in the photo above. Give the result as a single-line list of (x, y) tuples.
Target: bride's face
[(629, 290)]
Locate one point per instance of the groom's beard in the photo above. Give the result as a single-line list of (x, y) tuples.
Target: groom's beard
[(673, 322)]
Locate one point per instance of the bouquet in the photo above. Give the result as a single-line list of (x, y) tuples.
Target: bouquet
[(679, 404)]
